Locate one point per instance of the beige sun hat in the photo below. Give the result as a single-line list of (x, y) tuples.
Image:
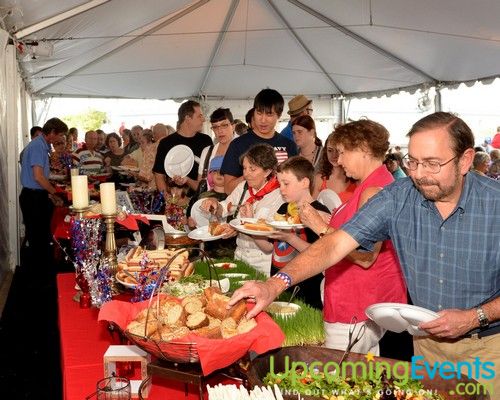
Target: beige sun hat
[(298, 104)]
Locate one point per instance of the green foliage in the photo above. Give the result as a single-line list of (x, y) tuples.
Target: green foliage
[(87, 121)]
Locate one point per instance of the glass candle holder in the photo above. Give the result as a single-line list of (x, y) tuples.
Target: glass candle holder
[(113, 388)]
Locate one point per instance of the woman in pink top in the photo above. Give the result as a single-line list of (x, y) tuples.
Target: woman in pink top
[(362, 278)]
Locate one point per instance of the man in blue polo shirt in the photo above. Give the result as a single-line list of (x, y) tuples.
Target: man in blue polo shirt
[(38, 195), (444, 224)]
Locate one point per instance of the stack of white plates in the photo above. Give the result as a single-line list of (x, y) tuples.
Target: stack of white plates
[(397, 317)]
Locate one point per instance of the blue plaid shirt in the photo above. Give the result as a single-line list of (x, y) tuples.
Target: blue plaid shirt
[(451, 263)]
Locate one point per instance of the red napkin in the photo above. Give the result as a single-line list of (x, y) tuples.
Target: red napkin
[(130, 221), (214, 353)]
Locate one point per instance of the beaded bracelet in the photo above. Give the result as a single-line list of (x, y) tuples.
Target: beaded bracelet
[(285, 278)]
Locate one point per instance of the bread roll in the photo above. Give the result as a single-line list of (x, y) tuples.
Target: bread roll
[(197, 320), (216, 307), (176, 333), (210, 291), (209, 332), (246, 325), (175, 316), (228, 328), (137, 328), (189, 270), (194, 305), (237, 311)]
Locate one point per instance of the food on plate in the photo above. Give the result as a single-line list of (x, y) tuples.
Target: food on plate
[(205, 315), (215, 228), (137, 257), (125, 277), (259, 225), (292, 209), (139, 260), (291, 216), (279, 217)]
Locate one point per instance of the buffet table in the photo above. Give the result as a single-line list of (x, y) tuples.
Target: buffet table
[(83, 344)]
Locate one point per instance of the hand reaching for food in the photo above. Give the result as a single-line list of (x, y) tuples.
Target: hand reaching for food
[(246, 210), (311, 218), (209, 205)]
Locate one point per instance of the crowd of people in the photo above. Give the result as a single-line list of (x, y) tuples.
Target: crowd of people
[(378, 224)]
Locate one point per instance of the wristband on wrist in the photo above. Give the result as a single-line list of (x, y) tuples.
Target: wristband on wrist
[(287, 279)]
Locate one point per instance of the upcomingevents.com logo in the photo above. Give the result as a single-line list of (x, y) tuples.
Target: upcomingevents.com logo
[(400, 373)]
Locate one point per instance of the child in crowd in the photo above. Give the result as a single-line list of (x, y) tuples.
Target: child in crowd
[(296, 178), (215, 180)]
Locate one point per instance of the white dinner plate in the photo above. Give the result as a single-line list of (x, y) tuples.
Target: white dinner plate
[(54, 177), (238, 225), (225, 265), (234, 275), (126, 284), (285, 225), (283, 308), (398, 317), (202, 233), (179, 161)]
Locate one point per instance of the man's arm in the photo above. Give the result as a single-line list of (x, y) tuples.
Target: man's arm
[(42, 180), (230, 182), (316, 258), (161, 182), (455, 323)]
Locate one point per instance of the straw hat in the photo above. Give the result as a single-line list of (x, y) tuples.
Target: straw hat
[(298, 104)]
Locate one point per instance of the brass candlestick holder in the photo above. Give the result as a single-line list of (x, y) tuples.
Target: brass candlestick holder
[(110, 245), (79, 212)]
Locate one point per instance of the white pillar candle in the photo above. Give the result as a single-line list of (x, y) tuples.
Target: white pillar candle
[(108, 198), (74, 171), (79, 191)]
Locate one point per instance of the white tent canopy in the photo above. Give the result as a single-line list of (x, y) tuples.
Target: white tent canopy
[(233, 48)]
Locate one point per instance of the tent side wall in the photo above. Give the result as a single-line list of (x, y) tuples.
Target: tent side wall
[(15, 116)]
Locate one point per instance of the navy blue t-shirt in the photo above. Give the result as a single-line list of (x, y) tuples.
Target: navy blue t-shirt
[(283, 148)]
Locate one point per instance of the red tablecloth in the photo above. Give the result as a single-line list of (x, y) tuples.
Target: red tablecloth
[(83, 344), (61, 229)]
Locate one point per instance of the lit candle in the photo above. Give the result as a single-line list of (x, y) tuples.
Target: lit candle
[(108, 198), (79, 191)]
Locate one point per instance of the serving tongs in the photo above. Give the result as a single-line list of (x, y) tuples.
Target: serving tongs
[(354, 337)]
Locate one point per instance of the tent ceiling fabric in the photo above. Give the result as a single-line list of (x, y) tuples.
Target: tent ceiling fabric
[(233, 48)]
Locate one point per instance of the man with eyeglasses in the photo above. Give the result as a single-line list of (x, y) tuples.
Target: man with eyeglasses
[(299, 105), (445, 225), (267, 109)]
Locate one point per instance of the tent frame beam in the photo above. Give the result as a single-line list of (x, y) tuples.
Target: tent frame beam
[(160, 25), (218, 44), (363, 41), (58, 18), (305, 47)]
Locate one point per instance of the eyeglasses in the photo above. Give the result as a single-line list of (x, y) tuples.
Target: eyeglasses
[(430, 166), (58, 143), (225, 125)]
